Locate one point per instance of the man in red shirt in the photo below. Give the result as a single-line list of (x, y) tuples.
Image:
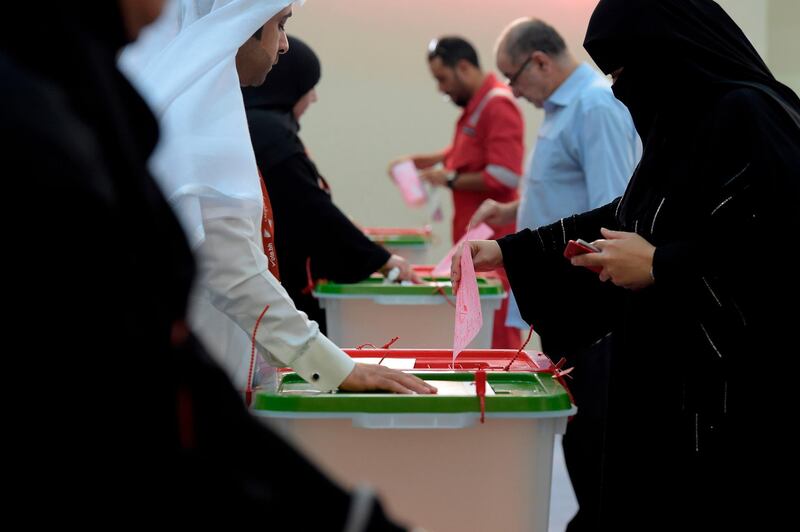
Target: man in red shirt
[(484, 160)]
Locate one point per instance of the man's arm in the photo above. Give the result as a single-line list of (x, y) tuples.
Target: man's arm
[(440, 177), (503, 130), (421, 161), (609, 152), (233, 269)]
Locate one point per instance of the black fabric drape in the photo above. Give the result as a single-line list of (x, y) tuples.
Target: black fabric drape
[(119, 413), (708, 350)]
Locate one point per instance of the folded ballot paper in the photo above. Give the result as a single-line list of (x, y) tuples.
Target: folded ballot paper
[(481, 232), (469, 318), (459, 388)]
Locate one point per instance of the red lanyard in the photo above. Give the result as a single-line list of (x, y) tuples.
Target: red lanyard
[(268, 232), (268, 240)]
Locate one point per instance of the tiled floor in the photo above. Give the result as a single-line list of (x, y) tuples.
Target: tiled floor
[(562, 499)]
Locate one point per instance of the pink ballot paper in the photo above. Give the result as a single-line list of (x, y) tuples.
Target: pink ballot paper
[(482, 232), (469, 318), (407, 179)]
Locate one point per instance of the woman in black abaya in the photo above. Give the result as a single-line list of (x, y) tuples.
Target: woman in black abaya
[(703, 351), (313, 238)]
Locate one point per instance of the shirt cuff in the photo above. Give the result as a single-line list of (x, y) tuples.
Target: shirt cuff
[(323, 364)]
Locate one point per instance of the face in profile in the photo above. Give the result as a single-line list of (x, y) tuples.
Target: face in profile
[(256, 57), (449, 82), (528, 77)]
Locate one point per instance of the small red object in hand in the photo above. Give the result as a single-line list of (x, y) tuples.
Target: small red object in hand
[(581, 247)]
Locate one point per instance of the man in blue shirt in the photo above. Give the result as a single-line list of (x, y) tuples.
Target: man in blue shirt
[(586, 150), (587, 146)]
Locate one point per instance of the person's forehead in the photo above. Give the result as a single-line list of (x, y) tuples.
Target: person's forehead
[(505, 65), (277, 18), (438, 66), (287, 11), (281, 15), (503, 61)]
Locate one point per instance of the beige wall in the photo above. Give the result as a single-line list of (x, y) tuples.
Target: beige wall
[(377, 99), (784, 41)]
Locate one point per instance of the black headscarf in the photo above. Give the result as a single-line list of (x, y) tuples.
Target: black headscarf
[(90, 36), (274, 129), (297, 72), (679, 58), (124, 268)]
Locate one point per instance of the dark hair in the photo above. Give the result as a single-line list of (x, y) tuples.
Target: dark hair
[(531, 36), (257, 34), (451, 50)]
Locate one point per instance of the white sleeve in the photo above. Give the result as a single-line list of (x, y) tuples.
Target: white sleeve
[(233, 271)]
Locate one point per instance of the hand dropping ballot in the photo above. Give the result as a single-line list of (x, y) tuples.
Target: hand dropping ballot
[(481, 232), (469, 317), (407, 179)]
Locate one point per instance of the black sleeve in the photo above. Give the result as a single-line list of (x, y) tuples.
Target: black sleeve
[(568, 306), (750, 167), (148, 425), (67, 215), (731, 264), (308, 224)]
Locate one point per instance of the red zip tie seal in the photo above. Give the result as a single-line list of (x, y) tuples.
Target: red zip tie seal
[(248, 391), (480, 389), (440, 290), (309, 288), (310, 283), (559, 376), (554, 370), (387, 345), (530, 333)]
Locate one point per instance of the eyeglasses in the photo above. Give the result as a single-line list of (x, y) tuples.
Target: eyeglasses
[(513, 79)]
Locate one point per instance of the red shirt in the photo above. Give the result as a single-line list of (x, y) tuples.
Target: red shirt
[(488, 139)]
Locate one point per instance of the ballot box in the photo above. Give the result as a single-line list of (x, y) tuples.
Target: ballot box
[(431, 459), (410, 243), (420, 315)]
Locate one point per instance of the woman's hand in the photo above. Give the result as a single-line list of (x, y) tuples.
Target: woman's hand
[(486, 256), (405, 270), (626, 259)]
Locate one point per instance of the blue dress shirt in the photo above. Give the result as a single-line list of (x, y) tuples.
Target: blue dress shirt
[(585, 153)]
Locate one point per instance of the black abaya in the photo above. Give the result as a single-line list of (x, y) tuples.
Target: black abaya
[(120, 417), (703, 360)]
